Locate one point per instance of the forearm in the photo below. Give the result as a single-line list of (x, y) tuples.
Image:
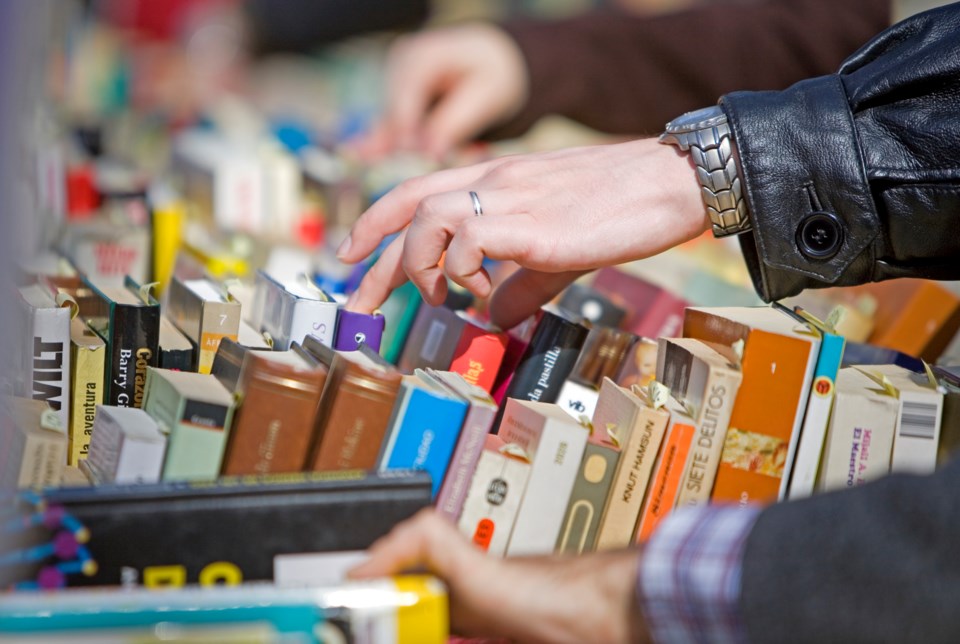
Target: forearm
[(630, 75)]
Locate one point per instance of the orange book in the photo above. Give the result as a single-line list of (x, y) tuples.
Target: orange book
[(478, 355), (917, 317), (665, 486), (778, 359)]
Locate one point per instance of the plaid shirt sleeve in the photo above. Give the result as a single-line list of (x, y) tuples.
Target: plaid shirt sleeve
[(689, 576)]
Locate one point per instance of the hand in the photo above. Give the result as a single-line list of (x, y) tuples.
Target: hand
[(591, 598), (556, 214), (445, 87)]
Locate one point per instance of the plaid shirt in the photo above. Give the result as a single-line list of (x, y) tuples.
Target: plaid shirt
[(689, 577)]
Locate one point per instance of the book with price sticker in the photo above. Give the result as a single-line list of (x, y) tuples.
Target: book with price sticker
[(493, 498), (200, 309)]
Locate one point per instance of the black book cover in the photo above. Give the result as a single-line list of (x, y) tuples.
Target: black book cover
[(130, 325), (548, 360), (227, 362), (170, 533)]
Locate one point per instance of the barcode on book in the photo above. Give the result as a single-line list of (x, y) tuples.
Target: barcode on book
[(918, 419)]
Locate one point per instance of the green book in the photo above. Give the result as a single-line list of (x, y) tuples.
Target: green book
[(400, 310), (195, 410)]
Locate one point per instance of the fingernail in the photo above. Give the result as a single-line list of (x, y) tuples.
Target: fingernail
[(344, 247)]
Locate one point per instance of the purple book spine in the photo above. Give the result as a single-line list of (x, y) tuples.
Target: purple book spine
[(356, 328), (456, 483)]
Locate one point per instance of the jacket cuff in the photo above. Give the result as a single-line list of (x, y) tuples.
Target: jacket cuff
[(814, 218)]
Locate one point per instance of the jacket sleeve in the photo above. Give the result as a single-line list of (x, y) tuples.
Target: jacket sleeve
[(855, 176), (876, 563), (629, 74)]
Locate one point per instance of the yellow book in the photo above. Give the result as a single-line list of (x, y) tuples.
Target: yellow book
[(167, 237), (88, 355)]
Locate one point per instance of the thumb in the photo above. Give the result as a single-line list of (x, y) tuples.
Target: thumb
[(465, 111)]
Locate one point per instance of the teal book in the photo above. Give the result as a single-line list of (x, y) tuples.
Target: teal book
[(400, 310), (195, 410), (424, 429), (803, 463)]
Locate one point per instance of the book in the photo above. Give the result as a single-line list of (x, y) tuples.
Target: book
[(860, 435), (129, 322), (603, 352), (293, 310), (45, 349), (476, 427), (806, 462), (640, 423), (424, 429), (590, 490), (778, 359), (548, 359), (33, 445), (586, 302), (918, 417), (917, 317), (356, 408), (449, 340), (234, 529), (127, 446), (668, 472), (228, 361), (861, 353), (279, 393), (200, 309), (167, 220), (408, 608), (88, 360), (176, 351), (401, 309), (109, 248), (706, 379), (494, 495), (639, 366), (195, 411), (354, 329), (554, 443)]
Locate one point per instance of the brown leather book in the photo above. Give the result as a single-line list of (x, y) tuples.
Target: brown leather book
[(356, 411), (279, 401)]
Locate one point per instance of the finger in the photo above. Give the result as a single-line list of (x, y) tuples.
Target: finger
[(523, 293), (385, 275), (426, 540), (437, 217), (462, 114), (396, 209)]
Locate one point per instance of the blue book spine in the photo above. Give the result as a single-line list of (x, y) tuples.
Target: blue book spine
[(427, 435)]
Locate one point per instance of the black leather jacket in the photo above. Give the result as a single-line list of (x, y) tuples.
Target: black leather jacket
[(855, 177)]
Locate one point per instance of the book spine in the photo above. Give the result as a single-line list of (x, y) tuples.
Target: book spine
[(176, 359), (352, 433), (134, 340), (44, 458), (493, 501), (578, 399), (859, 441), (806, 463), (399, 311), (49, 360), (666, 481), (548, 360), (629, 487), (219, 320), (311, 317), (197, 440), (476, 428), (354, 329), (719, 396), (426, 436), (432, 340), (478, 356), (664, 318), (587, 500), (86, 394)]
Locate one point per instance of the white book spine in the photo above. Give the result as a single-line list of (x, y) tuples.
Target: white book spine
[(578, 400), (811, 446), (493, 501), (48, 356), (140, 461), (859, 441), (556, 451), (312, 317)]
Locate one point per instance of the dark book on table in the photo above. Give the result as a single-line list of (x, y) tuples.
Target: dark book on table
[(148, 531)]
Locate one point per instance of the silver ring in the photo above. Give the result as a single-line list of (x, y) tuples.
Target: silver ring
[(477, 210)]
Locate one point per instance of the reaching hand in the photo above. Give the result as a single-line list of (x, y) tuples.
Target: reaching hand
[(556, 214), (591, 598), (445, 87)]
